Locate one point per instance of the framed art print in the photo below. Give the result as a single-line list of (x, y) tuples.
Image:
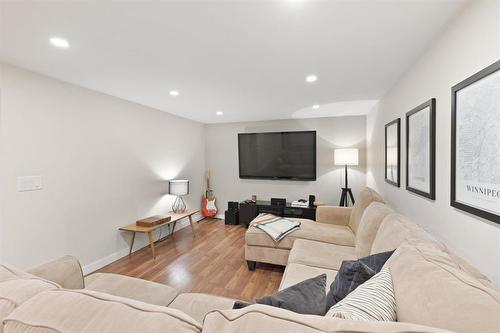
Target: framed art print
[(393, 152), (421, 150), (475, 144)]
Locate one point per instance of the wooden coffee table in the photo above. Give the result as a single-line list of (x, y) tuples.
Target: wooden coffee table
[(133, 228)]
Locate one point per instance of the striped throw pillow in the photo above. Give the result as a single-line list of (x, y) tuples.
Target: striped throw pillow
[(373, 300)]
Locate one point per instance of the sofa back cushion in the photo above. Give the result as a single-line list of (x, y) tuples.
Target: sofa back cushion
[(394, 230), (364, 199), (372, 217), (17, 287), (64, 311), (266, 319), (432, 290)]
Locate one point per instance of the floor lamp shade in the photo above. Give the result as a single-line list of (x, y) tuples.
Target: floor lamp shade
[(178, 187), (347, 156)]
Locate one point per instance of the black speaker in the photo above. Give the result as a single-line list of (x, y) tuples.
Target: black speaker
[(312, 199), (278, 202), (231, 217), (232, 206)]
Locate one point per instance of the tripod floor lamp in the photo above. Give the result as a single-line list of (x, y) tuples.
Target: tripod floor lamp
[(345, 157)]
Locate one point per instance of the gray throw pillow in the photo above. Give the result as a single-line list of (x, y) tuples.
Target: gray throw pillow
[(306, 297), (377, 261), (353, 273)]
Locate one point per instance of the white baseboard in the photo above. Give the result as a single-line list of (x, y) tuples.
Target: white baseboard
[(220, 216), (94, 266)]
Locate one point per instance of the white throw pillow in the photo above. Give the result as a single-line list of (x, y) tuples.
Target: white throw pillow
[(373, 300)]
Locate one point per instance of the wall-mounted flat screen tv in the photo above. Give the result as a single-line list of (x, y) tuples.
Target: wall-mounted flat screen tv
[(278, 155)]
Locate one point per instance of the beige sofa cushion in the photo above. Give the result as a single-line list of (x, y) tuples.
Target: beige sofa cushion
[(370, 222), (198, 305), (395, 229), (17, 287), (318, 254), (65, 271), (129, 287), (469, 269), (267, 319), (328, 233), (432, 290), (364, 199), (333, 214), (65, 311), (295, 273)]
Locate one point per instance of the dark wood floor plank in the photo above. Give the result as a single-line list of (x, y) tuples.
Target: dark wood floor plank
[(212, 262)]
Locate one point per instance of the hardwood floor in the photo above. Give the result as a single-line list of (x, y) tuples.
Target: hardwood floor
[(212, 262)]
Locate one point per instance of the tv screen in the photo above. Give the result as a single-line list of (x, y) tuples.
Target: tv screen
[(278, 155)]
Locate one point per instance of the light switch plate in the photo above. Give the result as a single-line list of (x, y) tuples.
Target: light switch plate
[(29, 183)]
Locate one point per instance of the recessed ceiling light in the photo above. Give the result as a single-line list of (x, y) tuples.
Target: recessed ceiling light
[(174, 93), (219, 113), (311, 78), (315, 106), (59, 42)]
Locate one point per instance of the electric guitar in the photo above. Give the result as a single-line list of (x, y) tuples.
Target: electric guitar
[(208, 206)]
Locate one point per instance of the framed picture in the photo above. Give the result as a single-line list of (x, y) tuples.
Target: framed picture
[(393, 152), (475, 144), (421, 150)]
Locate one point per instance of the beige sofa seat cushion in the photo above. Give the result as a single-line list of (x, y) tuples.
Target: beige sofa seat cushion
[(267, 319), (309, 229), (318, 254), (432, 290), (65, 271), (395, 229), (198, 305), (364, 199), (129, 287), (16, 287), (295, 273), (64, 311), (370, 222)]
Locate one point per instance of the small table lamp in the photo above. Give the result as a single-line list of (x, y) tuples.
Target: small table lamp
[(346, 156), (178, 187)]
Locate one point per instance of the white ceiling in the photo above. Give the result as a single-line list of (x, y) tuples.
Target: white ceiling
[(246, 58)]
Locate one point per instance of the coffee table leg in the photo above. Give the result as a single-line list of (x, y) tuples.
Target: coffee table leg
[(191, 223), (131, 243), (152, 244)]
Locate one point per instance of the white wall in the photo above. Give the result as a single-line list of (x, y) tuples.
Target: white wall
[(222, 160), (104, 162), (469, 44)]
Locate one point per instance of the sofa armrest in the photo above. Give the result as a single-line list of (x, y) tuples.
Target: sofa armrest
[(333, 215), (65, 271)]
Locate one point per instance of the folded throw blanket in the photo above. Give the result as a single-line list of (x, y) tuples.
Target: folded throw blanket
[(276, 227)]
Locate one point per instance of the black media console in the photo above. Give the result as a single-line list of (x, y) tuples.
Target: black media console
[(248, 211)]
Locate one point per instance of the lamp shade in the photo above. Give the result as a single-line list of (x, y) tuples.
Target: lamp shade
[(346, 156), (178, 187)]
